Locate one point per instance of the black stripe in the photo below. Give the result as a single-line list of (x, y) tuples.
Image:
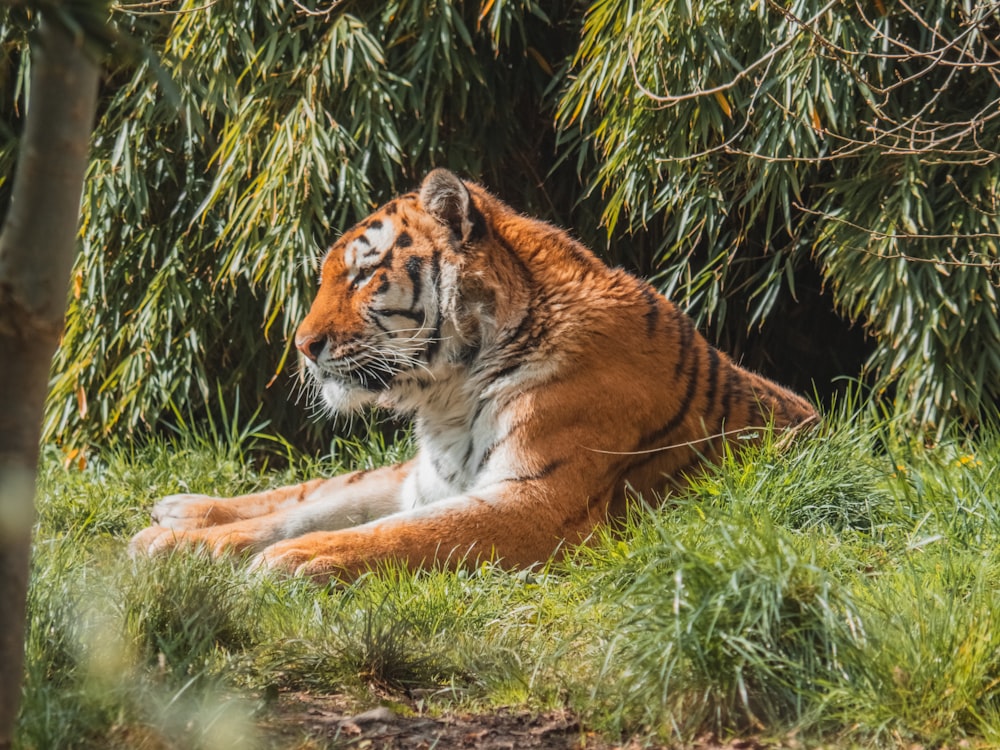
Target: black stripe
[(783, 407), (521, 266), (433, 347), (543, 472), (415, 315), (448, 476), (434, 344), (374, 252), (505, 371), (469, 353), (478, 230), (488, 453), (713, 383), (404, 239), (514, 349), (687, 334), (391, 208), (478, 411), (527, 388), (734, 388), (414, 268), (371, 252), (527, 322), (647, 459), (514, 345), (373, 224), (651, 439)]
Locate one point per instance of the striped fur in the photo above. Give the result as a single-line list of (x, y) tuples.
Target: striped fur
[(542, 383)]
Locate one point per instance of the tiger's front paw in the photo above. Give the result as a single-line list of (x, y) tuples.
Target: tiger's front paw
[(216, 540), (303, 557), (153, 541), (189, 512)]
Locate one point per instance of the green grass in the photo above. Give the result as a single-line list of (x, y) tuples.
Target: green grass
[(841, 590)]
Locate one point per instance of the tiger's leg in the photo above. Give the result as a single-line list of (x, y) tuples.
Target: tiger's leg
[(253, 521), (517, 525), (189, 511)]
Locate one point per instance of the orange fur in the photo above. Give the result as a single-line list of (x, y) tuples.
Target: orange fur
[(542, 383)]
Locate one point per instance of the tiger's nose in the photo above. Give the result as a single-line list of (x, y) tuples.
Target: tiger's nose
[(311, 345)]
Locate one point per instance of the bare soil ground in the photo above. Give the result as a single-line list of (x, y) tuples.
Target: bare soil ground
[(309, 722)]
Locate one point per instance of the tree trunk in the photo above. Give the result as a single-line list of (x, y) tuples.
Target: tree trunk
[(36, 255)]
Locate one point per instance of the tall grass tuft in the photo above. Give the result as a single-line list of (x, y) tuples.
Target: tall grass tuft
[(832, 479), (178, 613), (929, 670), (363, 641), (721, 625)]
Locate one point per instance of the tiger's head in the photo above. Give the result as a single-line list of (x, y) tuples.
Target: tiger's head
[(389, 315)]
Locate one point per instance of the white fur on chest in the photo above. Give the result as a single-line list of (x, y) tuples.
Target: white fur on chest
[(456, 453)]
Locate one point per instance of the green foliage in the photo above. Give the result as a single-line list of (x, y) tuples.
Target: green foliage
[(203, 218), (739, 153)]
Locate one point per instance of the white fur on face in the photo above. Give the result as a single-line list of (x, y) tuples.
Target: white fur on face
[(342, 399), (369, 249)]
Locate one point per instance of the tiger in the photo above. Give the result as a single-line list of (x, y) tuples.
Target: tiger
[(546, 390)]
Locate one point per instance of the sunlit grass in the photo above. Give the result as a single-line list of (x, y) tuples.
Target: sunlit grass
[(840, 588)]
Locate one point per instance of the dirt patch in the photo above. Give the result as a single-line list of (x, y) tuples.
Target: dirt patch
[(306, 721)]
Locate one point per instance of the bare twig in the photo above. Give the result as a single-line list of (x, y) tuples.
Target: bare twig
[(667, 99), (938, 141), (156, 8), (876, 234)]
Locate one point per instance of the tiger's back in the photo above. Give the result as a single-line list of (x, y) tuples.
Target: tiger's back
[(542, 384)]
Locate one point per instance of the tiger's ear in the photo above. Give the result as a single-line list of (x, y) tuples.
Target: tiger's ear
[(446, 198)]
